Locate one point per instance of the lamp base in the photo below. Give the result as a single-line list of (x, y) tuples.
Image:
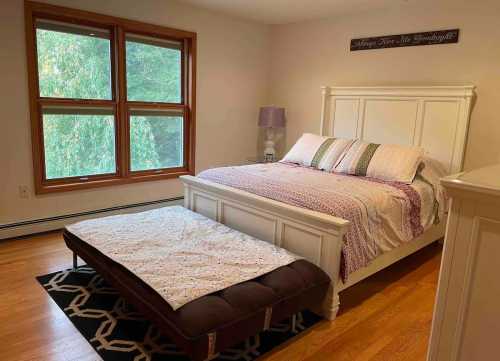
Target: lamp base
[(269, 151), (269, 158)]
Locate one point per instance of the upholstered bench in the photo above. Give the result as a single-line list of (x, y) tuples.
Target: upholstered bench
[(212, 323)]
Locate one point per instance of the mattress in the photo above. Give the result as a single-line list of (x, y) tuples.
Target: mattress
[(383, 214)]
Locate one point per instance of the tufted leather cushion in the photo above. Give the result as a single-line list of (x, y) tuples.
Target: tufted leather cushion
[(228, 316)]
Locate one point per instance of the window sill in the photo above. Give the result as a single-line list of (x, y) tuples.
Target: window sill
[(66, 186)]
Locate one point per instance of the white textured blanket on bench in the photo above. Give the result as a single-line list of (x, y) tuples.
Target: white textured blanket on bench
[(182, 255)]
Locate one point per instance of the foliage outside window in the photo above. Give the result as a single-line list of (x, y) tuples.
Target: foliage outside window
[(112, 99)]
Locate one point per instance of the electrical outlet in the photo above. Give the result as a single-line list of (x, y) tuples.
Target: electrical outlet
[(24, 192)]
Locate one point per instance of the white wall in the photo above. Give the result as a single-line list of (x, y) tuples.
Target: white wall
[(233, 61), (310, 54)]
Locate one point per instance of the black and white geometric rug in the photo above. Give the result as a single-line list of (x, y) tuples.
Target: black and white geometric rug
[(119, 333)]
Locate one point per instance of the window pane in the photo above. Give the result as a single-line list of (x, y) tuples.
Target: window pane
[(73, 65), (78, 145), (156, 141), (153, 71)]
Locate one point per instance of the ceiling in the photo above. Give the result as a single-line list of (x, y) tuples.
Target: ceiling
[(290, 11)]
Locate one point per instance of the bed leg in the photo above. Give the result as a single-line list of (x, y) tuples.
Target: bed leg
[(331, 304), (75, 262)]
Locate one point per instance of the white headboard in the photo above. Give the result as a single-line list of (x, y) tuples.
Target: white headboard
[(435, 118)]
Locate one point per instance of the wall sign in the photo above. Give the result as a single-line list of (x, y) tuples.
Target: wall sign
[(413, 39)]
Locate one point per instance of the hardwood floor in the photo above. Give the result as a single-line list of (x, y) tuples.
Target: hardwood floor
[(386, 317)]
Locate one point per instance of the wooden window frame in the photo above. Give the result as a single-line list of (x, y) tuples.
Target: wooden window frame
[(118, 28)]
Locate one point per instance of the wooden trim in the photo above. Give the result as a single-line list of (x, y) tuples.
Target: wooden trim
[(70, 103), (157, 172), (154, 40), (191, 51), (119, 152), (33, 92), (156, 106), (80, 179), (82, 16), (114, 61), (105, 182), (184, 70), (117, 27), (124, 145)]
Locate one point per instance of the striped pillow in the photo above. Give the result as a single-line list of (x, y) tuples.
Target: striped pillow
[(312, 150), (382, 161)]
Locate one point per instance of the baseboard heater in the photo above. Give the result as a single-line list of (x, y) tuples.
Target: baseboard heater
[(25, 228)]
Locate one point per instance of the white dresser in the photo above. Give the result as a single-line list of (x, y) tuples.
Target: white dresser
[(466, 324)]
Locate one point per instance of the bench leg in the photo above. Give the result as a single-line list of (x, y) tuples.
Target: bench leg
[(294, 324), (75, 262)]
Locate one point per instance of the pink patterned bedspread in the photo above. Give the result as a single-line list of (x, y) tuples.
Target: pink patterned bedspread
[(383, 215)]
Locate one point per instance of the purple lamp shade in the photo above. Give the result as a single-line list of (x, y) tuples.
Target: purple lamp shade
[(272, 117)]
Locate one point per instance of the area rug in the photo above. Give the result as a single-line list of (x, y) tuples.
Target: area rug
[(119, 333)]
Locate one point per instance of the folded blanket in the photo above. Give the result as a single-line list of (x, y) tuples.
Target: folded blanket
[(182, 255)]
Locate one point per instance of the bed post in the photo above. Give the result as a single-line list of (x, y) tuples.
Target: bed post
[(330, 262), (187, 196), (331, 305), (325, 109)]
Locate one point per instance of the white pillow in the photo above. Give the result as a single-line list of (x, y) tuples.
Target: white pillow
[(313, 150), (388, 162)]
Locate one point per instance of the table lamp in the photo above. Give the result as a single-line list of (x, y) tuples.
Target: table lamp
[(271, 117)]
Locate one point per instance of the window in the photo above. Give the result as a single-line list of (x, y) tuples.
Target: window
[(78, 143), (73, 61), (156, 140), (153, 70), (112, 100)]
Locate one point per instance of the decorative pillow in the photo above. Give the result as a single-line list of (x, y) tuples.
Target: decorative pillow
[(382, 161), (312, 150), (430, 171)]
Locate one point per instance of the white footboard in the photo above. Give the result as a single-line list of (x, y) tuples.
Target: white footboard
[(313, 235)]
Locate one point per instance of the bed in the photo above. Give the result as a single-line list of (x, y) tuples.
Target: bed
[(435, 118)]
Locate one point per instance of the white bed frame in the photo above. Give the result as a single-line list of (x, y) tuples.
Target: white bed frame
[(435, 118)]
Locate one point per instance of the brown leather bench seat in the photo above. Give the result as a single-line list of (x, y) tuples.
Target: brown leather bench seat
[(212, 323)]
